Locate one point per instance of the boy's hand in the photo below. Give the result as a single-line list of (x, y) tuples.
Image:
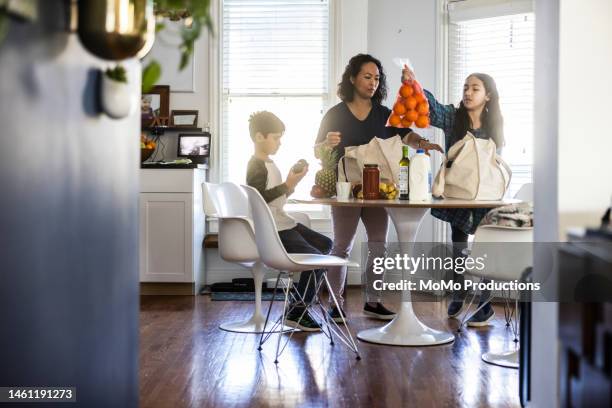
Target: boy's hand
[(294, 178)]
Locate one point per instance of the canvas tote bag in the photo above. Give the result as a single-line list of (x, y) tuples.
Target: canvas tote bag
[(473, 171), (385, 152)]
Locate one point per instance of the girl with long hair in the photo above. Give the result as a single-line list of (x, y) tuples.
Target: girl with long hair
[(478, 113)]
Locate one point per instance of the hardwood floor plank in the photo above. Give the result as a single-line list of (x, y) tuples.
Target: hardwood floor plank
[(186, 361)]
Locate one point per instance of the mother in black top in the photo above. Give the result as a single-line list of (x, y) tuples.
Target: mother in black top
[(353, 122)]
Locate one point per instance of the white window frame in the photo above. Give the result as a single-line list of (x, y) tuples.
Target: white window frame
[(465, 9), (215, 94), (440, 228)]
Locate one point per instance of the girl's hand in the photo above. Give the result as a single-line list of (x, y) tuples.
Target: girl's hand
[(407, 74), (333, 139)]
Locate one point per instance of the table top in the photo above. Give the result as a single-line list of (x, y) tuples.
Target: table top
[(433, 203)]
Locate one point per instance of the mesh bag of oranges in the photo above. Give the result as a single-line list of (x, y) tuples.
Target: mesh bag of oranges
[(411, 106)]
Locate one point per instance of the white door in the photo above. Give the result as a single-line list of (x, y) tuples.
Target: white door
[(166, 221)]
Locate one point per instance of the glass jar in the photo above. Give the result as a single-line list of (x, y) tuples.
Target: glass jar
[(371, 180)]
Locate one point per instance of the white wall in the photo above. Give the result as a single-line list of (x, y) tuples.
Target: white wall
[(186, 100), (544, 361), (406, 29), (573, 145), (585, 89)]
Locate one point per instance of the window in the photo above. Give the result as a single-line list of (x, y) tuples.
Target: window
[(275, 57), (497, 37)]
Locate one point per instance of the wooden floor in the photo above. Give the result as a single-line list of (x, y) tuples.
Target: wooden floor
[(186, 361)]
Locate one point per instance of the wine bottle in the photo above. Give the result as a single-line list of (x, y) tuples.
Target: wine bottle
[(404, 166)]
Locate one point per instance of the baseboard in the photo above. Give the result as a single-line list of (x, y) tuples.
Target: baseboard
[(168, 288), (214, 275)]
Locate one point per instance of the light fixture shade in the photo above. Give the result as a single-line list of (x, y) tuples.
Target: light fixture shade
[(150, 39), (116, 29)]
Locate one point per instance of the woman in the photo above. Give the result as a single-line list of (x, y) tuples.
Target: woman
[(353, 122), (478, 113)]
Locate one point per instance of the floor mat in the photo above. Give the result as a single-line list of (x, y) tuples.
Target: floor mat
[(246, 296)]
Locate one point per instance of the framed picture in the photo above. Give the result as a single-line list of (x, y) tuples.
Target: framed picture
[(155, 105), (184, 118), (193, 145)]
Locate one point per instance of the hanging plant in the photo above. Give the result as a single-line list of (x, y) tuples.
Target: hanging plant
[(118, 100), (195, 15), (117, 74)]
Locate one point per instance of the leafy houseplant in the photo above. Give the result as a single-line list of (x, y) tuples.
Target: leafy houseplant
[(196, 17), (117, 99), (117, 74)]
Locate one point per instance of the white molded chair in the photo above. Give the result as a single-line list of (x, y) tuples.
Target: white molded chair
[(273, 254), (300, 217), (507, 265), (525, 193), (229, 203)]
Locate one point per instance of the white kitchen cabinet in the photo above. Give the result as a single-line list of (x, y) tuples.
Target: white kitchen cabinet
[(172, 226)]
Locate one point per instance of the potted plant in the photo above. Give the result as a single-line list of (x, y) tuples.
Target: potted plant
[(118, 100)]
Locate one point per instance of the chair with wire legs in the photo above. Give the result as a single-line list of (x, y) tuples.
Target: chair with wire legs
[(274, 255), (506, 263)]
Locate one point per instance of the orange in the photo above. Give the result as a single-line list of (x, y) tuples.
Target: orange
[(406, 123), (423, 108), (411, 103), (399, 108), (422, 121), (406, 91), (420, 97), (394, 120), (411, 115)]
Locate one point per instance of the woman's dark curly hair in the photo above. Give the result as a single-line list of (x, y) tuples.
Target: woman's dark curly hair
[(346, 88)]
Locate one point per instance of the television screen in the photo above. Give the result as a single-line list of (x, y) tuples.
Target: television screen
[(190, 145)]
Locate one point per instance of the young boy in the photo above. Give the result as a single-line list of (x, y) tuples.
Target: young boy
[(266, 130)]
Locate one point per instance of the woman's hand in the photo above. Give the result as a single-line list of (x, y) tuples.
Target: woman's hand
[(333, 139), (408, 74), (416, 141), (430, 146)]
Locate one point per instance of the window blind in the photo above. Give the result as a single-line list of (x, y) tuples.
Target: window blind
[(503, 47), (275, 57), (464, 10)]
